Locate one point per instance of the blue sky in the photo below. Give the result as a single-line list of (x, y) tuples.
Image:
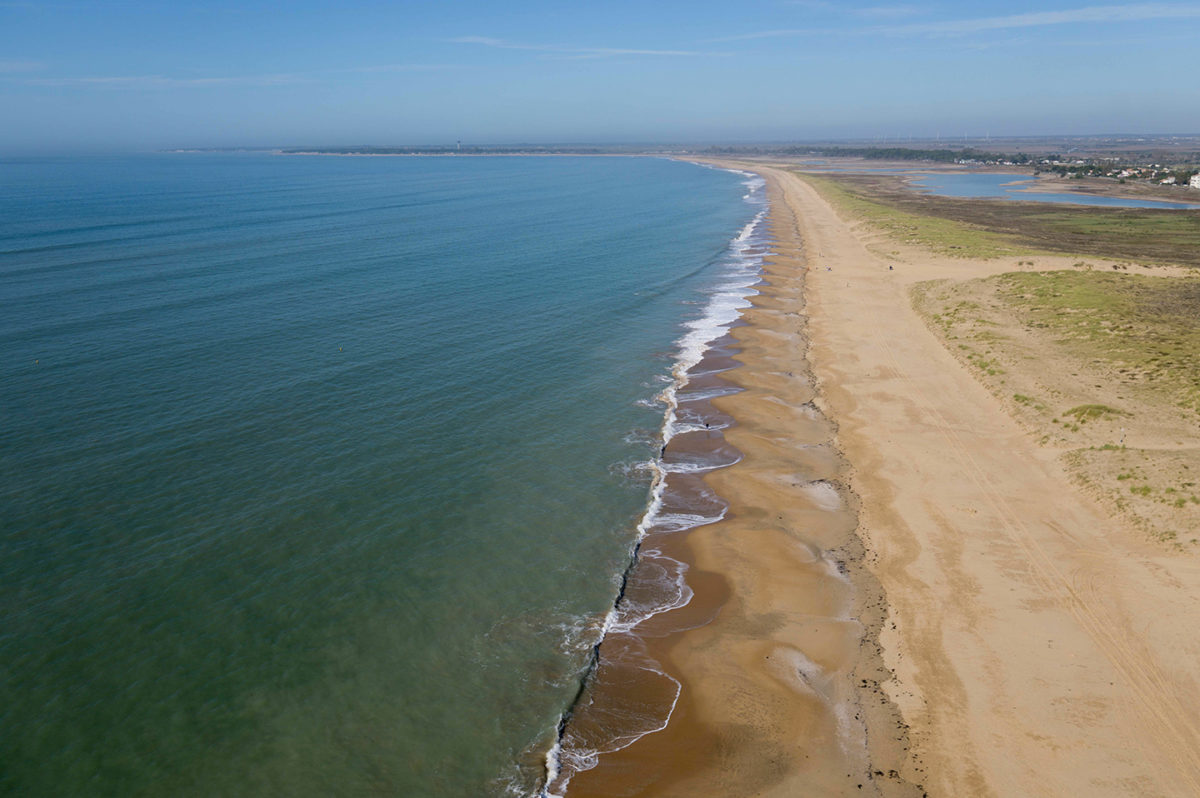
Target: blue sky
[(143, 75)]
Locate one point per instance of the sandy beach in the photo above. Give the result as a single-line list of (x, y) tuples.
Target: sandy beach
[(776, 652), (915, 596), (1038, 645), (909, 594)]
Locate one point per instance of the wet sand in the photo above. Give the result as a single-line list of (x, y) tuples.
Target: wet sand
[(776, 653)]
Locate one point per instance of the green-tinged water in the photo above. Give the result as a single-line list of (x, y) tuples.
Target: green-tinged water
[(318, 472)]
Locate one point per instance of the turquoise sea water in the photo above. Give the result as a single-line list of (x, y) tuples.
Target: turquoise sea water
[(319, 474)]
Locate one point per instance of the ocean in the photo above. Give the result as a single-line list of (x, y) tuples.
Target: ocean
[(322, 475)]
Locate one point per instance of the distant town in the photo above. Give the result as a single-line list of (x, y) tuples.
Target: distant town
[(1166, 161), (1163, 174)]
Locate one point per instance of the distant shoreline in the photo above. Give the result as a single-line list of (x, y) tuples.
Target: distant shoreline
[(524, 154), (1178, 195)]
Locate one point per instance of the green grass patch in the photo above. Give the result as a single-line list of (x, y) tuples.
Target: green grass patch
[(945, 236), (1142, 328), (1085, 413), (989, 367), (996, 227)]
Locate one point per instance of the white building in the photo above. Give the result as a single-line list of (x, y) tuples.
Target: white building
[(1195, 181)]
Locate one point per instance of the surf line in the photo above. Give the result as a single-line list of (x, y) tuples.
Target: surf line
[(725, 306), (553, 762)]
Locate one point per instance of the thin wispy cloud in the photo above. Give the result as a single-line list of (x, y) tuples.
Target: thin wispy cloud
[(167, 81), (1076, 16), (153, 81), (871, 12), (886, 12), (781, 33), (400, 68), (1139, 12), (20, 66), (578, 52), (813, 5)]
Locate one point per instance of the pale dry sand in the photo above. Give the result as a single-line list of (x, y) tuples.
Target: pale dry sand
[(1039, 646)]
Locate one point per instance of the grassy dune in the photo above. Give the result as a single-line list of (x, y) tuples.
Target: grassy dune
[(942, 235), (989, 228), (1103, 367), (1142, 328)]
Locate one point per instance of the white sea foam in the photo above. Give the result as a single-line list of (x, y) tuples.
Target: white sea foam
[(690, 426), (696, 468), (576, 759), (677, 522), (741, 272), (707, 393), (668, 576)]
